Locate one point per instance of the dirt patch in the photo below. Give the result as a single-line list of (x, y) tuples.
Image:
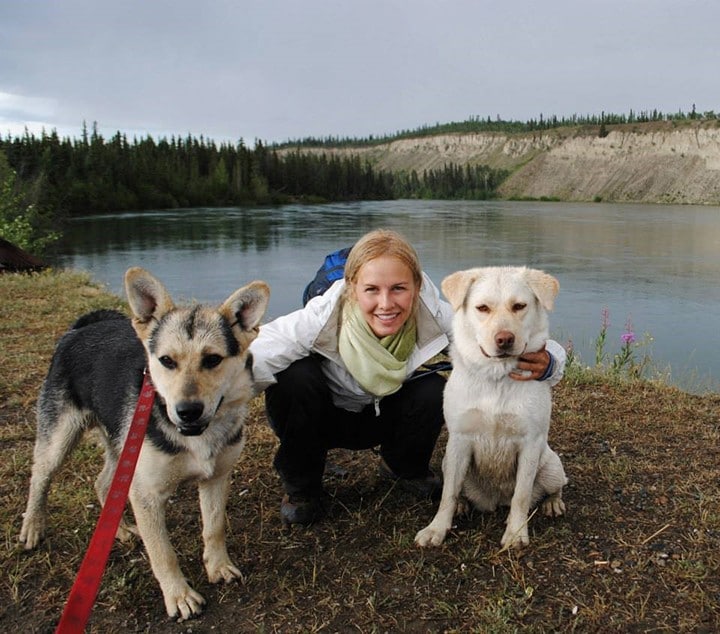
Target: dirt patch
[(641, 538)]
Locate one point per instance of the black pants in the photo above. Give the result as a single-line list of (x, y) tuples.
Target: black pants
[(302, 414)]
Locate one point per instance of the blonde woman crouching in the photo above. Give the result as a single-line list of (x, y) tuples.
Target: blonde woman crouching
[(341, 373)]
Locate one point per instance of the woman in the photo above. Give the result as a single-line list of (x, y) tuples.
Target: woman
[(339, 373)]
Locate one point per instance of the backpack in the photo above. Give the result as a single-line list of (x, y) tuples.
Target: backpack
[(332, 269)]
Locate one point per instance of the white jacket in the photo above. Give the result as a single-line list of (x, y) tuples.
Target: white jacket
[(314, 329)]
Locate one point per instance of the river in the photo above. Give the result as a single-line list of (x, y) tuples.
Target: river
[(654, 269)]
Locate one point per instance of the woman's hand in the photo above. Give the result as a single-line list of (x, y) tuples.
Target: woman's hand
[(532, 366)]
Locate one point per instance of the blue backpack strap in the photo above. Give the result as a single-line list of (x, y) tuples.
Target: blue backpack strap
[(332, 269)]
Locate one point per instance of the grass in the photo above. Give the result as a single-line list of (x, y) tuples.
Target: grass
[(638, 551)]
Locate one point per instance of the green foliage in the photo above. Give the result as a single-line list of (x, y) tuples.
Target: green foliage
[(21, 223), (452, 182), (92, 174)]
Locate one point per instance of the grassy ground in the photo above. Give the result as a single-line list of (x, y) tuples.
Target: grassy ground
[(638, 551)]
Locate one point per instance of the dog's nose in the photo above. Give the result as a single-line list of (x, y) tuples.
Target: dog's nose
[(189, 411), (504, 340)]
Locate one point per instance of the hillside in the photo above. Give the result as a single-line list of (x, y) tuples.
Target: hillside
[(656, 162)]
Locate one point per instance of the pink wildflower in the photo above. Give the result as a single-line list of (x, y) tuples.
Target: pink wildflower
[(628, 338), (605, 317)]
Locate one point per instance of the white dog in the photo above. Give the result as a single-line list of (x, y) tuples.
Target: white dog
[(497, 451)]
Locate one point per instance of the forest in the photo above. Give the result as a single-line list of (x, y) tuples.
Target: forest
[(46, 179)]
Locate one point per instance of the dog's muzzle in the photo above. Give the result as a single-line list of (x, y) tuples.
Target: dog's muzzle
[(191, 415), (504, 344)]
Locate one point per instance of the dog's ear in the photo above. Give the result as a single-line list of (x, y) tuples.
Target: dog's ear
[(147, 297), (246, 307), (455, 286), (545, 287)]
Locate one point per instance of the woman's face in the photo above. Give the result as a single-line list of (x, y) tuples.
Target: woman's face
[(385, 292)]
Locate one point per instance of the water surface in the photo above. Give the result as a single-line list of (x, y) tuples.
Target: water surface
[(654, 268)]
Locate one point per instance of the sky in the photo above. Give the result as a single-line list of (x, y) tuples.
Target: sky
[(278, 70)]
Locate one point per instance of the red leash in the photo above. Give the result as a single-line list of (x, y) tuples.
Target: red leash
[(82, 595)]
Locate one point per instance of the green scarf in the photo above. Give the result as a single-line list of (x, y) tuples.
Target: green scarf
[(378, 365)]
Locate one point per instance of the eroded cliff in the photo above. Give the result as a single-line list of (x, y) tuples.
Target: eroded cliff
[(659, 162)]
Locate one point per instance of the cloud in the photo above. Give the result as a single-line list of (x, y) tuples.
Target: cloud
[(18, 112), (280, 69)]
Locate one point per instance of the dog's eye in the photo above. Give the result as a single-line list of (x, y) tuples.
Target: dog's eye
[(483, 308), (518, 307), (211, 361), (167, 362)]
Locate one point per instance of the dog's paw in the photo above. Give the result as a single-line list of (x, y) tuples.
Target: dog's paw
[(182, 602), (515, 537), (226, 572), (429, 536), (553, 506), (32, 532)]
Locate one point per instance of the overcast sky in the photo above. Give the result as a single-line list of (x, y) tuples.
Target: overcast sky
[(285, 69)]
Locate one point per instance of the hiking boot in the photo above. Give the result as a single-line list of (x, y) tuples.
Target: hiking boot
[(428, 486), (300, 509)]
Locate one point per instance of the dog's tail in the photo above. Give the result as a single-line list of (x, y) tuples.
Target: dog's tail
[(96, 316)]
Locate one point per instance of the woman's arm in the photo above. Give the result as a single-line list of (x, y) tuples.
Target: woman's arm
[(289, 338)]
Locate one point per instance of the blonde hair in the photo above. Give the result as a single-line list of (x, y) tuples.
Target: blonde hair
[(377, 243)]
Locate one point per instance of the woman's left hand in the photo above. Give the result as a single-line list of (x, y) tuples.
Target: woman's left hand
[(531, 366)]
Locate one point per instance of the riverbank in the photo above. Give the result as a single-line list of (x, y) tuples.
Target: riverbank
[(653, 162), (640, 537)]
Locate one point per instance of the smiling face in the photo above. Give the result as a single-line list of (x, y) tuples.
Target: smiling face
[(385, 292)]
